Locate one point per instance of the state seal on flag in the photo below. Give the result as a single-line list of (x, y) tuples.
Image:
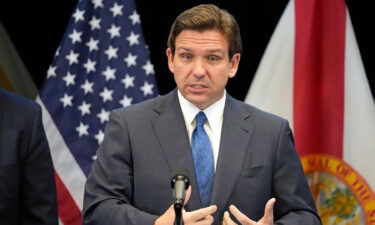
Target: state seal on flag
[(341, 195)]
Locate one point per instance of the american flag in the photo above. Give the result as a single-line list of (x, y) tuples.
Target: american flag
[(102, 64)]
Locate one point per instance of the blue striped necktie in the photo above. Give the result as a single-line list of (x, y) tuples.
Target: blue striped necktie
[(203, 160)]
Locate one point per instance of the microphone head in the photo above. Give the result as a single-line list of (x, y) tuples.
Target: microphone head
[(180, 174)]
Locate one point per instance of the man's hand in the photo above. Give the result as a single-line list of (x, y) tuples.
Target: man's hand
[(267, 219), (197, 217)]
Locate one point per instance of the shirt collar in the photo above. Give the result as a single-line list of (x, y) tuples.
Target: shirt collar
[(214, 112)]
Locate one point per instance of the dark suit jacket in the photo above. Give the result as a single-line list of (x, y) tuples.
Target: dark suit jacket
[(130, 181), (27, 185)]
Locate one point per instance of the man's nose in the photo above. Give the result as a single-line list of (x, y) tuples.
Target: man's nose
[(199, 70)]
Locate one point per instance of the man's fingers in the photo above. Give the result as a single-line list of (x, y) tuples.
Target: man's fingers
[(268, 211), (198, 214), (242, 218), (207, 220), (227, 220), (187, 195), (167, 218)]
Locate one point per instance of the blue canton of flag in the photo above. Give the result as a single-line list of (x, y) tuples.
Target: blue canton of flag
[(101, 64)]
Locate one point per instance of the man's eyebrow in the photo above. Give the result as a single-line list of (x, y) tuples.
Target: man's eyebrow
[(183, 49), (217, 50)]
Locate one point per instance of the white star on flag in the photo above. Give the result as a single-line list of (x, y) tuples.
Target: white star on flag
[(51, 71), (111, 52), (99, 137), (57, 51), (133, 39), (147, 88), (116, 9), (87, 87), (97, 3), (131, 60), (135, 18), (149, 68), (78, 15), (75, 36), (126, 101), (95, 23), (128, 81), (67, 100), (109, 73), (69, 79), (72, 57), (82, 129), (84, 108), (90, 66), (92, 44), (106, 94), (114, 31), (103, 116)]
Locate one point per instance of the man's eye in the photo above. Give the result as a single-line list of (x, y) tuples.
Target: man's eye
[(186, 56), (213, 58)]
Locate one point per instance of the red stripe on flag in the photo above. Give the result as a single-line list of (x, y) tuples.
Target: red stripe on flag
[(69, 213), (319, 76)]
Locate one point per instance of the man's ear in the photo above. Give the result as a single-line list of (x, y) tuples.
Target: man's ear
[(234, 62), (170, 59)]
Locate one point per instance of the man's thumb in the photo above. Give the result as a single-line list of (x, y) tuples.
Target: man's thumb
[(187, 195), (268, 211)]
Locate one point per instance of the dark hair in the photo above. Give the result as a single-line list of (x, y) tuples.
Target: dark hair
[(206, 17)]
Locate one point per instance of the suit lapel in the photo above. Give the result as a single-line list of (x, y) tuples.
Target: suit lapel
[(236, 133), (171, 132)]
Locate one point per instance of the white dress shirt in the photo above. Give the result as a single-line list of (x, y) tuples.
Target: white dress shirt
[(213, 124)]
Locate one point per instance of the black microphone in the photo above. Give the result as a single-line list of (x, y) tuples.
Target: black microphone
[(180, 183)]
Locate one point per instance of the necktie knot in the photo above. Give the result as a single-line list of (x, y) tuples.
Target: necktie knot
[(200, 119)]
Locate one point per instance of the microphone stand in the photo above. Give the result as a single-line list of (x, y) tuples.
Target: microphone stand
[(177, 210)]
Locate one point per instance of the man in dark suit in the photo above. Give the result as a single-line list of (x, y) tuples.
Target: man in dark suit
[(27, 184), (251, 160)]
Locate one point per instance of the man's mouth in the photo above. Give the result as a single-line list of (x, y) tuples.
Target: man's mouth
[(198, 86)]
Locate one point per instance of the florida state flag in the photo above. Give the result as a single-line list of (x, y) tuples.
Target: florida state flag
[(312, 74)]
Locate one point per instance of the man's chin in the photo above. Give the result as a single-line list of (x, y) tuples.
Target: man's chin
[(201, 103)]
